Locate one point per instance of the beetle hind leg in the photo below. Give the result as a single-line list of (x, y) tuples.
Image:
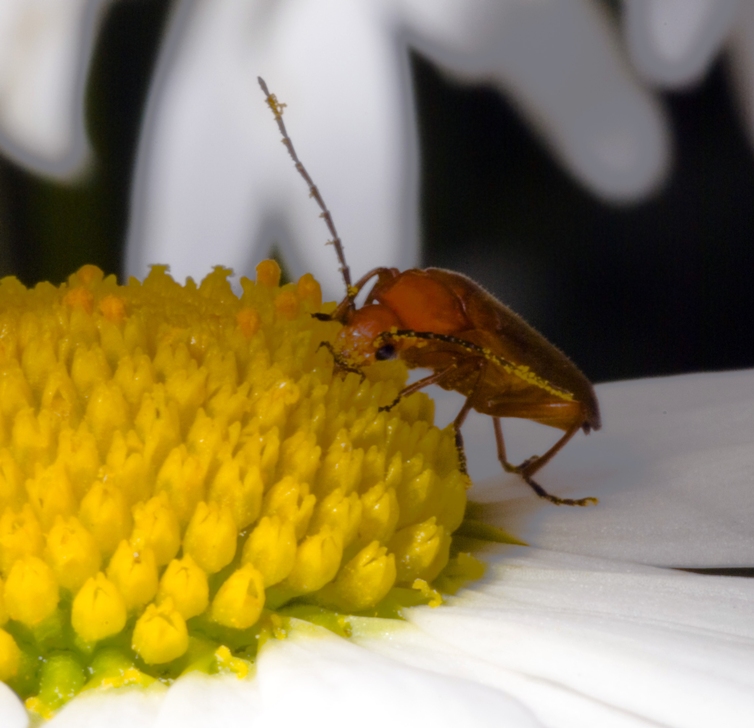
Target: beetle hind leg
[(542, 493), (527, 468)]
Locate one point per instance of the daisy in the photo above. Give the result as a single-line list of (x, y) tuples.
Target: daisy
[(585, 625)]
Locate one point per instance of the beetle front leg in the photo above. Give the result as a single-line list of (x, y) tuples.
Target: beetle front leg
[(416, 386), (530, 466), (341, 363)]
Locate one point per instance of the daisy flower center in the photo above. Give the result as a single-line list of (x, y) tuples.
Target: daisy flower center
[(181, 471)]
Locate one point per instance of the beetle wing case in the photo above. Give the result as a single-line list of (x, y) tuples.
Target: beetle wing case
[(486, 322)]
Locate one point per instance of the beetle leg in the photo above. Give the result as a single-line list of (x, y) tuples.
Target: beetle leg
[(501, 455), (468, 405), (533, 464), (457, 422), (460, 417), (416, 386)]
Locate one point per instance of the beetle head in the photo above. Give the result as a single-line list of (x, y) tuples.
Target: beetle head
[(356, 340)]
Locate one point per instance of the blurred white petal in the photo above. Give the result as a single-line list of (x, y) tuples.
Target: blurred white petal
[(672, 468), (673, 42), (45, 49), (12, 711), (560, 63), (214, 184), (742, 64)]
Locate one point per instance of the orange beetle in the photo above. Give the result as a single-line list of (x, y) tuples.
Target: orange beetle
[(440, 320)]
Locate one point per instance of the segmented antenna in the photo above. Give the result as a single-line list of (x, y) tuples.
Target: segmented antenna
[(277, 110)]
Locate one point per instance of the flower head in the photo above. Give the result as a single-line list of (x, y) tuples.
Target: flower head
[(182, 470)]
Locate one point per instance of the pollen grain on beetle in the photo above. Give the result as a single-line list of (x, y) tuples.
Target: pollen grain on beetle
[(181, 472)]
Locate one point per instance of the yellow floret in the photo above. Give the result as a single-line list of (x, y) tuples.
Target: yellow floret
[(271, 548), (3, 610), (104, 513), (364, 580), (186, 584), (211, 537), (10, 656), (72, 553), (240, 599), (421, 551), (156, 526), (98, 609), (134, 573), (31, 591), (379, 514), (160, 634), (268, 273), (317, 561), (20, 535), (239, 486)]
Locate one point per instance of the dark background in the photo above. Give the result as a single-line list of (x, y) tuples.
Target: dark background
[(660, 287)]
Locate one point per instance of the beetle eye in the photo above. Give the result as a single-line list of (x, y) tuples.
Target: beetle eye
[(385, 352)]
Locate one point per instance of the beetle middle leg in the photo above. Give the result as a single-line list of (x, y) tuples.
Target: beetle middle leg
[(527, 468), (435, 378), (468, 405)]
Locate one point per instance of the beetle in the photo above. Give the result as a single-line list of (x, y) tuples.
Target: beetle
[(473, 344)]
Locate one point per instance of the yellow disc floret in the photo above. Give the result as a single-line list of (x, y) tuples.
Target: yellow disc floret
[(182, 469), (31, 591), (160, 634), (72, 553), (211, 537), (240, 599), (10, 656), (186, 584), (98, 609), (271, 548), (134, 573)]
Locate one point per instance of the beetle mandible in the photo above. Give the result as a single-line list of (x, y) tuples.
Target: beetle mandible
[(441, 320)]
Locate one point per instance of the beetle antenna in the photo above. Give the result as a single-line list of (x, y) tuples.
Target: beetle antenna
[(277, 110)]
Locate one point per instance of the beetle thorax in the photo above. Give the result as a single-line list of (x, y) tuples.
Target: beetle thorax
[(422, 303)]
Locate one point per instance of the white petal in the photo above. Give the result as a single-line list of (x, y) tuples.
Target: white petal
[(12, 711), (672, 468), (214, 184), (560, 63), (588, 642), (45, 48), (673, 42), (121, 708), (316, 678), (742, 64), (578, 641)]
